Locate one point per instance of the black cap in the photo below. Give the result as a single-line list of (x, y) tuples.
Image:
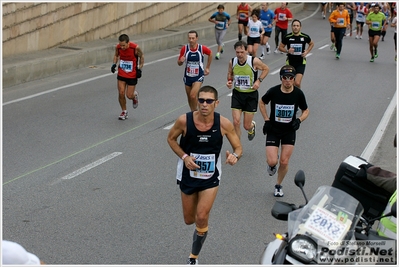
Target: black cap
[(287, 72)]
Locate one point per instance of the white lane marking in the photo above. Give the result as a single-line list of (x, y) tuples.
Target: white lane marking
[(275, 72), (324, 46), (368, 152), (91, 166), (55, 89), (168, 127)]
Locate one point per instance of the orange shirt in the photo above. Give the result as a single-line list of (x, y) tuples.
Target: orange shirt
[(340, 19)]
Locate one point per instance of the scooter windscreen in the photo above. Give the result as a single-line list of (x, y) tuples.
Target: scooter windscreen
[(329, 218)]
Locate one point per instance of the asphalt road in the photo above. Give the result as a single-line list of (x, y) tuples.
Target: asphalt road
[(82, 187)]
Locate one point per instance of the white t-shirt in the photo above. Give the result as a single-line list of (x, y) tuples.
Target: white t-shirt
[(255, 28)]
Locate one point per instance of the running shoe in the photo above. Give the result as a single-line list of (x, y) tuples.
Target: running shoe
[(261, 57), (372, 59), (337, 56), (360, 37), (192, 261), (267, 49), (123, 115), (251, 133), (136, 99), (271, 170), (276, 51), (357, 37), (375, 54), (332, 46), (278, 191), (217, 55)]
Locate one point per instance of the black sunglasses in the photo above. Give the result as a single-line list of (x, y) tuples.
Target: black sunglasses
[(287, 78), (208, 101)]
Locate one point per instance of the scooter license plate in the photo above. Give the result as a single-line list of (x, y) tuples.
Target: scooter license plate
[(325, 224)]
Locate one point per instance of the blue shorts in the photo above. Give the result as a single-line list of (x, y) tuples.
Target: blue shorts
[(190, 80)]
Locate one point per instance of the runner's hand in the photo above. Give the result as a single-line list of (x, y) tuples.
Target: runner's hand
[(113, 68), (296, 123)]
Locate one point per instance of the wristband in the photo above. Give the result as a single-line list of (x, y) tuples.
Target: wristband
[(184, 156), (235, 155)]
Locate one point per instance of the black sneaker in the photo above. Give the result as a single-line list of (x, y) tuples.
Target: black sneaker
[(271, 170), (192, 261)]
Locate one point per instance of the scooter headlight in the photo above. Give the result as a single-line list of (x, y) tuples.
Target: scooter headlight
[(303, 248)]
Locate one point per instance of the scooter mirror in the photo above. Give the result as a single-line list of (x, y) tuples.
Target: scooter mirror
[(300, 179), (393, 210)]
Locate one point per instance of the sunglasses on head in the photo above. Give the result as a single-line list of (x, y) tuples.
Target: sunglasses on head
[(208, 101), (287, 78)]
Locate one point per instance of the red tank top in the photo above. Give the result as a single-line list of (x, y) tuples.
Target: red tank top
[(127, 61), (243, 12)]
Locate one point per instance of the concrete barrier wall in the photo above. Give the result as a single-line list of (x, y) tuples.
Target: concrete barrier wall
[(29, 27), (25, 67)]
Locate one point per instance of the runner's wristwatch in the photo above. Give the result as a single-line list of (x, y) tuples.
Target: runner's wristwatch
[(260, 79)]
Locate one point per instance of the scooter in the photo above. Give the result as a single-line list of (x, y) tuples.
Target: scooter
[(328, 220)]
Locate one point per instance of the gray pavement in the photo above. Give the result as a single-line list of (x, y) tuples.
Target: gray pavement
[(42, 64)]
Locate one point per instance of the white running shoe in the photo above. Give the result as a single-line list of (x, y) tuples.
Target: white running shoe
[(278, 192), (267, 49), (261, 57), (276, 51), (136, 99), (192, 261), (123, 115)]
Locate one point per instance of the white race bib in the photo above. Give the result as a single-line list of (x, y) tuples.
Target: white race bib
[(207, 166), (126, 66), (297, 49), (284, 113), (220, 25), (242, 81), (192, 69)]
